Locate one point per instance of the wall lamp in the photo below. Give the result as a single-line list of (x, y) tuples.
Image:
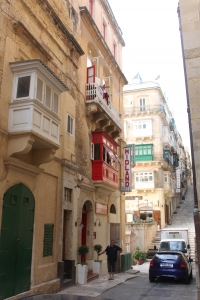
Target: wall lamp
[(76, 223), (95, 223)]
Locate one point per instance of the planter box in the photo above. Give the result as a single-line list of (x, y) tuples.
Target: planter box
[(82, 273), (140, 261), (97, 267)]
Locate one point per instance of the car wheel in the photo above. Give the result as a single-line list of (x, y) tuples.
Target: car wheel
[(191, 275), (151, 279)]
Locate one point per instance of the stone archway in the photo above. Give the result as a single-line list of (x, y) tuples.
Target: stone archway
[(16, 240), (87, 225)]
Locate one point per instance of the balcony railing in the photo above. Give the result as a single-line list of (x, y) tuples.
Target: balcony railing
[(144, 109), (94, 94)]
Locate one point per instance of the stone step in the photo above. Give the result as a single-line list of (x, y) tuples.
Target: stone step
[(92, 276)]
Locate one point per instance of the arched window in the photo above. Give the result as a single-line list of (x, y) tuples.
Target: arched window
[(112, 209)]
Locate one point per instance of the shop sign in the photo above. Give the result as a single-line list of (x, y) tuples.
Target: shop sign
[(127, 168), (178, 179), (101, 209)]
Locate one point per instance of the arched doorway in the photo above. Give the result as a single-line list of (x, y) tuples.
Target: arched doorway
[(86, 231), (16, 241)]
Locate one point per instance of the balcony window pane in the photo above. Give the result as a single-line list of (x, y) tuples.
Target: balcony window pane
[(39, 89), (48, 97), (97, 152), (23, 86), (55, 103)]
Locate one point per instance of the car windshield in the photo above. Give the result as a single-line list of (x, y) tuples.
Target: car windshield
[(173, 245), (165, 256)]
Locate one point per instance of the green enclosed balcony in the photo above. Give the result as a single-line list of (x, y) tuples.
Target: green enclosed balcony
[(144, 152)]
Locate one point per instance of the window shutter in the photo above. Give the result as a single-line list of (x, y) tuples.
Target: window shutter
[(48, 240), (91, 74), (92, 151), (132, 146)]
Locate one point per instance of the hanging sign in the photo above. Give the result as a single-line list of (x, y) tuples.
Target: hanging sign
[(178, 179), (127, 168)]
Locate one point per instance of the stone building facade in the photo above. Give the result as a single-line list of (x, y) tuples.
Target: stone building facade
[(188, 13), (157, 146), (61, 135)]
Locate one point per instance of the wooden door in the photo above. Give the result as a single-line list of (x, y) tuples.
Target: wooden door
[(166, 213), (64, 234), (115, 233), (16, 241), (156, 216)]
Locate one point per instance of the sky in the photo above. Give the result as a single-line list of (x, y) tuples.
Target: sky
[(153, 47)]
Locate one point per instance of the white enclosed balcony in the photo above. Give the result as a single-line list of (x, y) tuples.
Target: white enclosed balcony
[(144, 185), (34, 107), (96, 103)]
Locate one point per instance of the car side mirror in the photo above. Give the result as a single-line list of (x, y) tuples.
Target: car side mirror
[(188, 246)]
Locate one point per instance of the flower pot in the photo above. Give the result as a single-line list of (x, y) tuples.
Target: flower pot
[(140, 261), (97, 267), (82, 273)]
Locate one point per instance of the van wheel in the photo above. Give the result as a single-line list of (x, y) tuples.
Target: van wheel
[(151, 279)]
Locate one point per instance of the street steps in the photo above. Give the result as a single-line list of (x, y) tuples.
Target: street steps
[(154, 245)]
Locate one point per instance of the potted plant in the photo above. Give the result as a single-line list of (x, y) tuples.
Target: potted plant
[(97, 262), (82, 267), (139, 256)]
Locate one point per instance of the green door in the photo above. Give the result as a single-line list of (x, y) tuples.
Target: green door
[(16, 239)]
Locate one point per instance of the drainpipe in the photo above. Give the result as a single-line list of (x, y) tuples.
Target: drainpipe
[(195, 211)]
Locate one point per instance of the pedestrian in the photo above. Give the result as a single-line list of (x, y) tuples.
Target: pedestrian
[(111, 252)]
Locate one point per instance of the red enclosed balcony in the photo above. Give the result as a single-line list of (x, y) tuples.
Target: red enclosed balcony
[(104, 160)]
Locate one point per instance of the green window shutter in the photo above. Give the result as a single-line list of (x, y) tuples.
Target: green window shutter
[(132, 146), (48, 240)]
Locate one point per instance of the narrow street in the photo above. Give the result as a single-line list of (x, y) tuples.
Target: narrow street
[(134, 284)]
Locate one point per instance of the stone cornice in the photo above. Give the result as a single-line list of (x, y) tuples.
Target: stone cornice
[(19, 166), (69, 164)]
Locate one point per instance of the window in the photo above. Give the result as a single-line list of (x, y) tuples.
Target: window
[(39, 94), (143, 125), (104, 30), (142, 177), (55, 103), (67, 195), (91, 74), (23, 87), (142, 104), (144, 152), (165, 178), (95, 151), (167, 156), (46, 94), (114, 50), (70, 124), (48, 240), (91, 7), (112, 209)]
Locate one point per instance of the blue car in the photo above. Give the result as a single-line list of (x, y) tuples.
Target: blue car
[(172, 264)]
